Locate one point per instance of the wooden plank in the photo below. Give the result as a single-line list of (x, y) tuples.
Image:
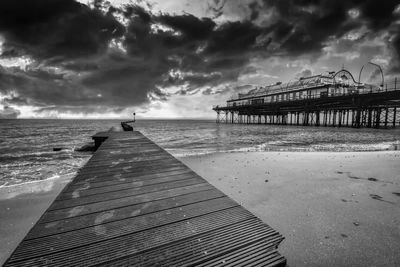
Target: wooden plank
[(204, 247), (115, 248), (126, 178), (131, 157), (125, 168), (87, 191), (78, 201), (136, 241), (110, 230), (53, 215), (79, 222), (135, 204), (83, 178), (128, 166)]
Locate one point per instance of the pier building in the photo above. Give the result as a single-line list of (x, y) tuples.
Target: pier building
[(327, 99)]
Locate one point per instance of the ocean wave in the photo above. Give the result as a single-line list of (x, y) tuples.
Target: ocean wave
[(189, 153), (9, 191), (19, 155), (27, 172), (303, 146), (290, 146), (13, 185), (29, 158)]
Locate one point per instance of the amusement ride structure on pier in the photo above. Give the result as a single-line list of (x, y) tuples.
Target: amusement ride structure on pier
[(329, 99)]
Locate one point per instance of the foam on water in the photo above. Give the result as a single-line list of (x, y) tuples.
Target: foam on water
[(27, 145), (289, 146)]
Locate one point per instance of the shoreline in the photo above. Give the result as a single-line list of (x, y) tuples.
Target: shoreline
[(344, 214), (21, 205), (314, 208)]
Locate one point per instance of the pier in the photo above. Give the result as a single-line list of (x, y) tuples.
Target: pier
[(134, 204), (334, 99)]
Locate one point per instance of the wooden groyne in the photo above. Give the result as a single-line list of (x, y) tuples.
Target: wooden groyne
[(134, 204)]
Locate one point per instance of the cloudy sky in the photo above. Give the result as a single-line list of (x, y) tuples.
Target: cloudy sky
[(178, 58)]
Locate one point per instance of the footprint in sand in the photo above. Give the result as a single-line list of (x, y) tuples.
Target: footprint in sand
[(348, 174), (372, 179), (353, 177), (378, 197)]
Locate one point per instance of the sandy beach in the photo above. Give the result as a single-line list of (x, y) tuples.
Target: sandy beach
[(334, 208), (21, 206)]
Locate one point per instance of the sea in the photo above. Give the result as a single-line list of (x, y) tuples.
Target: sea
[(26, 145)]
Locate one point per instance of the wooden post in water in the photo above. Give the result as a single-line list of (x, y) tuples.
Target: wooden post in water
[(377, 118), (386, 116), (369, 124), (358, 118)]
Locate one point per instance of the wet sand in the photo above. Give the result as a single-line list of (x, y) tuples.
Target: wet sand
[(334, 208), (21, 206)]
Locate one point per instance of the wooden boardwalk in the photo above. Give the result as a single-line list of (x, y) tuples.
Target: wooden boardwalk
[(133, 204)]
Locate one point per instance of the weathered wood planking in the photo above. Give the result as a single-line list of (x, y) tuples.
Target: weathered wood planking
[(133, 204)]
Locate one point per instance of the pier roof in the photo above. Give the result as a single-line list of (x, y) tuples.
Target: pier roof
[(343, 77)]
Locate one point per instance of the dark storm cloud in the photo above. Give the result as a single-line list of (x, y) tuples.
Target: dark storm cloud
[(78, 109), (36, 88), (304, 26), (204, 53), (55, 28), (394, 66), (79, 64), (191, 27), (233, 38)]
